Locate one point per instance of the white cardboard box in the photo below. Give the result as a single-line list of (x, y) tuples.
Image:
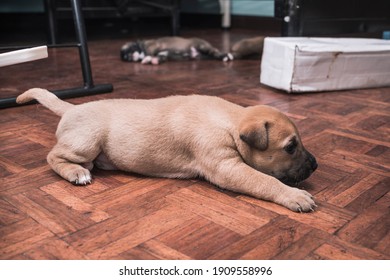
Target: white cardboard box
[(299, 64)]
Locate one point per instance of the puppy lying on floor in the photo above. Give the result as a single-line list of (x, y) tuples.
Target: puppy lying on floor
[(255, 150), (156, 51)]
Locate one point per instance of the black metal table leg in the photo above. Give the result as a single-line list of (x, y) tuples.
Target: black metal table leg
[(89, 87), (83, 47), (52, 21)]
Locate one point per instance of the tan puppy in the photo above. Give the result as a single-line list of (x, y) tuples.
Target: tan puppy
[(246, 150)]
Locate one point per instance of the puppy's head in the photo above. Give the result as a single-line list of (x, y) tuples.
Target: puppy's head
[(132, 51), (272, 145)]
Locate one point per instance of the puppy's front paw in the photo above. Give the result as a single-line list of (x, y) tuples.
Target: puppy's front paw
[(299, 200), (155, 60), (146, 60), (227, 57)]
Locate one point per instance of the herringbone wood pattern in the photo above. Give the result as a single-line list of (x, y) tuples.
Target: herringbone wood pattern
[(127, 216)]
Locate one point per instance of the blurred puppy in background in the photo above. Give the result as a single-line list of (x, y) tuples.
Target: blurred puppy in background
[(157, 51)]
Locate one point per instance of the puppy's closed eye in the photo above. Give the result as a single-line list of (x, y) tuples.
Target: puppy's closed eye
[(291, 146)]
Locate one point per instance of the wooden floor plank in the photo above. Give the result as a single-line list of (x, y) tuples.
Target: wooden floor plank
[(279, 225), (280, 240), (354, 191), (230, 198), (9, 214), (341, 250), (303, 246), (221, 213), (330, 252), (21, 236), (8, 167), (199, 238), (327, 217), (153, 250), (337, 193), (370, 196), (137, 232), (53, 249), (369, 228), (98, 235), (25, 181), (75, 203)]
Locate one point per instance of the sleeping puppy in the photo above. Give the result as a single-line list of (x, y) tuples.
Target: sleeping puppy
[(254, 150), (156, 51)]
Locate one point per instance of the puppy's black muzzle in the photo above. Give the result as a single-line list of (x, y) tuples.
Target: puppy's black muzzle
[(303, 172)]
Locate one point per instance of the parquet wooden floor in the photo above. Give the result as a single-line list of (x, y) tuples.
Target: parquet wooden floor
[(128, 216)]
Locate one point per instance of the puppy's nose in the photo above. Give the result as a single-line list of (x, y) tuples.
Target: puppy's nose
[(311, 160), (314, 166), (313, 163)]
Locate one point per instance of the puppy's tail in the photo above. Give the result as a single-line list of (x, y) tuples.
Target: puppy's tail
[(46, 98)]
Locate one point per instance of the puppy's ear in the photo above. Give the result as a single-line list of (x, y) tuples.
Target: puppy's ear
[(255, 134)]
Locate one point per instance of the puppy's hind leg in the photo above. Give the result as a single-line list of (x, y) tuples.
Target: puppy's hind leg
[(206, 48), (102, 162), (71, 165)]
